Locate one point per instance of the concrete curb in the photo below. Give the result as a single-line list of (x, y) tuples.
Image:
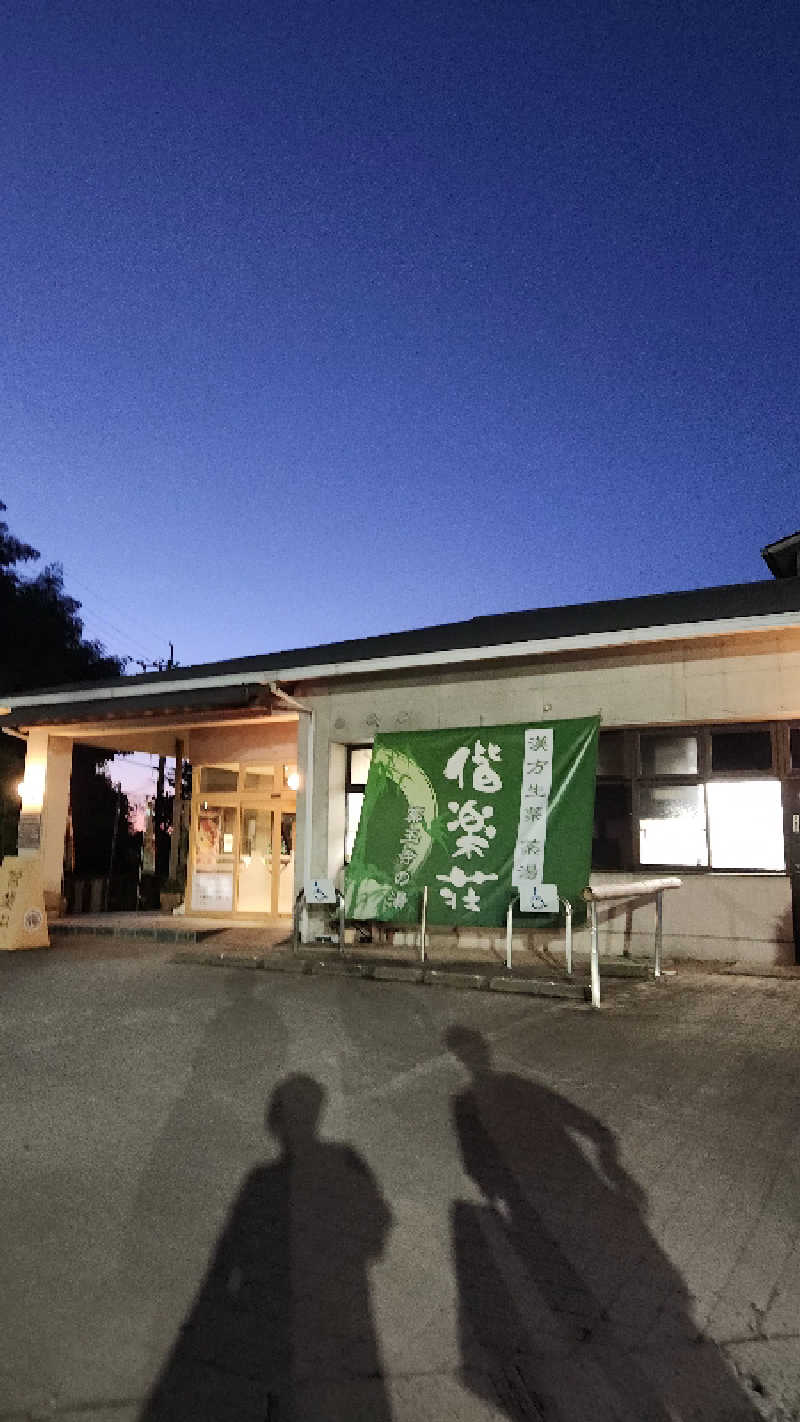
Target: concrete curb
[(398, 973), (541, 987), (440, 977), (72, 928), (340, 968), (390, 973)]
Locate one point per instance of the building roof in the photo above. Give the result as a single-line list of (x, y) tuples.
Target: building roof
[(783, 557), (717, 610), (154, 702)]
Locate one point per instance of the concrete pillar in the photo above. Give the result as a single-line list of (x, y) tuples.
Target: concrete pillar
[(45, 802), (337, 770), (320, 790)]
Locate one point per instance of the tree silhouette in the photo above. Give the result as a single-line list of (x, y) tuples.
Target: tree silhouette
[(43, 645)]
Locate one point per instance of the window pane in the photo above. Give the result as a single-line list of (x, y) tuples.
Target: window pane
[(218, 780), (611, 839), (745, 821), (355, 800), (255, 860), (611, 753), (212, 883), (669, 755), (672, 825), (213, 847), (261, 780), (741, 750), (360, 757)]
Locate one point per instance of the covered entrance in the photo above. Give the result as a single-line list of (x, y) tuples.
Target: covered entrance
[(241, 741), (242, 845)]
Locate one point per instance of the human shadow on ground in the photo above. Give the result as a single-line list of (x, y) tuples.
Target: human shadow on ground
[(208, 1137), (281, 1329), (568, 1307)]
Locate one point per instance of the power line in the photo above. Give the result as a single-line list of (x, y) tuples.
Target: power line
[(106, 622), (102, 597)]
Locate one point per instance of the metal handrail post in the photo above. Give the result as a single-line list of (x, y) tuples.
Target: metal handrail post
[(659, 934), (340, 898), (509, 932), (423, 924), (594, 961), (298, 909), (568, 942)]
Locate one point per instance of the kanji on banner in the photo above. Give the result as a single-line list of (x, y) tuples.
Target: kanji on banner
[(479, 815)]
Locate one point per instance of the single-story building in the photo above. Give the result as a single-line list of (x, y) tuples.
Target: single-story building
[(699, 753)]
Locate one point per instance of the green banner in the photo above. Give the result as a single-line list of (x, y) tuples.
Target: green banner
[(479, 815)]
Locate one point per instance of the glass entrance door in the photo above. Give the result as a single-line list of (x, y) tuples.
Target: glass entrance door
[(265, 878), (254, 881), (286, 879), (214, 858), (243, 841)]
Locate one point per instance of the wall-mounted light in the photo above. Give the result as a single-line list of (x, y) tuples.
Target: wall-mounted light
[(31, 788), (293, 780)]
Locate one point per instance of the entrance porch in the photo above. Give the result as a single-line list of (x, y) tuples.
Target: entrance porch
[(243, 755)]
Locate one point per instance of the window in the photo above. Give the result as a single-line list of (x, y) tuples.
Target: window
[(612, 826), (359, 757), (745, 822), (611, 753), (672, 825), (740, 751), (358, 763), (668, 754), (218, 780), (260, 780), (692, 798)]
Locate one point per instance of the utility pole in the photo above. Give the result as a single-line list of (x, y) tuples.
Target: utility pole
[(113, 847), (177, 806), (158, 808)]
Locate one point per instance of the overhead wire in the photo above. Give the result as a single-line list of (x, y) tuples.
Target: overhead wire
[(105, 623), (133, 641)]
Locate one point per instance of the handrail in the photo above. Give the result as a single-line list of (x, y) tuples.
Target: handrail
[(634, 889), (567, 906)]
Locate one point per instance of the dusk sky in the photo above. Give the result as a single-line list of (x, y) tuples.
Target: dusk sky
[(323, 320)]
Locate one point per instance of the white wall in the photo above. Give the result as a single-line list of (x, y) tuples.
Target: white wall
[(259, 743)]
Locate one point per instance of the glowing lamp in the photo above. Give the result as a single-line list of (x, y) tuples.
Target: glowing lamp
[(293, 780), (31, 788)]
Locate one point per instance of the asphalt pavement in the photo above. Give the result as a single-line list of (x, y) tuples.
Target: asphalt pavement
[(230, 1194)]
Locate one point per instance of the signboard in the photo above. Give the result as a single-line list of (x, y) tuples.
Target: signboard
[(23, 922), (479, 815), (321, 891), (213, 892), (29, 832)]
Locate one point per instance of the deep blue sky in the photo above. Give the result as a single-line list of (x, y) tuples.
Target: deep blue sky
[(329, 319)]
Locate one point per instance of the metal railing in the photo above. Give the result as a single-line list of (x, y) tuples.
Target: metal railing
[(636, 889)]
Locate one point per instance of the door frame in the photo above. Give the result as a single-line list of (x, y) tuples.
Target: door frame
[(280, 802)]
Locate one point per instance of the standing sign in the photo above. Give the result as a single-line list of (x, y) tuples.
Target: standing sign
[(478, 815), (23, 922)]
